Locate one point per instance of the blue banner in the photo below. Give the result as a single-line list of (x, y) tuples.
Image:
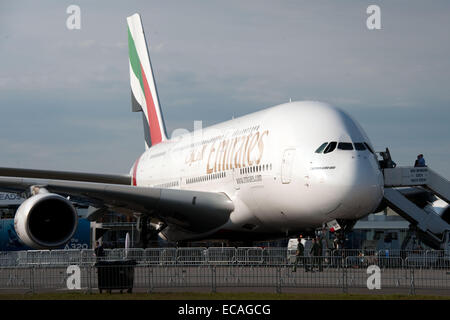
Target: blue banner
[(9, 241)]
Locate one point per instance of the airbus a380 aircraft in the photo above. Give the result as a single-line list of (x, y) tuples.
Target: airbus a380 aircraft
[(282, 170)]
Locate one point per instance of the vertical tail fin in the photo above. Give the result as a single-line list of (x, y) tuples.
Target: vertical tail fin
[(144, 95)]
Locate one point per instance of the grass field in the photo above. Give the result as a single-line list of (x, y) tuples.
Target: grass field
[(214, 296)]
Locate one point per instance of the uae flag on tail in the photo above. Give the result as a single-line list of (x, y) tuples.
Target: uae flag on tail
[(144, 95)]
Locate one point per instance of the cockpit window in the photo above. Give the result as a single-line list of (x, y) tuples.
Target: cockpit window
[(368, 147), (322, 146), (359, 146), (330, 147), (345, 146)]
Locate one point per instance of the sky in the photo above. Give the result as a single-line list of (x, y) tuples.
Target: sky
[(65, 94)]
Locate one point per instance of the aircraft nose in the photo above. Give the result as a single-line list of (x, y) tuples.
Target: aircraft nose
[(365, 190), (354, 190)]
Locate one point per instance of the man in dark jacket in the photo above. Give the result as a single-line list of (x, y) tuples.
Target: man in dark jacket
[(299, 255), (99, 252), (316, 251)]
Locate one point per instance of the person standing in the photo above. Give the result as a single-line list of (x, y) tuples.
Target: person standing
[(420, 161), (312, 254), (337, 252), (299, 255), (99, 251), (316, 251), (319, 253)]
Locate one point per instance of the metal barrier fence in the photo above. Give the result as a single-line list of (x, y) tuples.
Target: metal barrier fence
[(220, 255), (213, 255), (212, 268)]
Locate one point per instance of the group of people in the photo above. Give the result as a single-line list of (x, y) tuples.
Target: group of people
[(315, 259)]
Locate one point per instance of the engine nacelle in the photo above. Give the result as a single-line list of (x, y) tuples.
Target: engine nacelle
[(46, 221)]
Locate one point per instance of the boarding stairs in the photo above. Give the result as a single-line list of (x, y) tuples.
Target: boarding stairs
[(430, 227)]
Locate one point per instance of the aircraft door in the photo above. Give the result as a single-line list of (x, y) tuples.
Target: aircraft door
[(286, 165), (235, 178)]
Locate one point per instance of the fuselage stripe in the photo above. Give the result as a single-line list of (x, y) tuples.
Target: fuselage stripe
[(135, 170)]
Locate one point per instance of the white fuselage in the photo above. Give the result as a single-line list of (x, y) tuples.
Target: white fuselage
[(266, 163)]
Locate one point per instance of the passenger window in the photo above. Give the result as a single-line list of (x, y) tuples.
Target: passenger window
[(322, 146), (345, 146), (359, 146), (330, 147)]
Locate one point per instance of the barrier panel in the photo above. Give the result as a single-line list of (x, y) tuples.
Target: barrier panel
[(88, 257), (32, 257), (9, 258), (16, 278), (223, 255), (136, 254), (389, 262), (65, 257), (161, 256), (277, 255), (419, 262), (249, 255), (443, 263), (113, 254), (361, 269), (193, 256), (429, 273), (152, 255)]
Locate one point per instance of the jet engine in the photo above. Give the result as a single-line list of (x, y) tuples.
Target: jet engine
[(46, 221)]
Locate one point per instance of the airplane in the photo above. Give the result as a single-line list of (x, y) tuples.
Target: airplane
[(290, 168)]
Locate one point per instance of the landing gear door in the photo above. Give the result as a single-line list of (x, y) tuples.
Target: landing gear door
[(286, 165)]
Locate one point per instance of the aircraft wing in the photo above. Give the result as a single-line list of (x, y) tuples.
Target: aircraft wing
[(194, 211), (65, 175)]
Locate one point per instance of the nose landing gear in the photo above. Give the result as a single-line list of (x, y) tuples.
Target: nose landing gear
[(340, 228), (148, 230)]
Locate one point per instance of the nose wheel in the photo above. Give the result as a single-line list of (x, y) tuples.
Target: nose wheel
[(340, 238), (340, 228)]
